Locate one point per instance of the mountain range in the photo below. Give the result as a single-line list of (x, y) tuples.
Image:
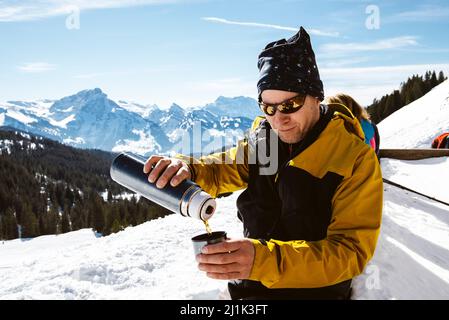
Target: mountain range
[(89, 119)]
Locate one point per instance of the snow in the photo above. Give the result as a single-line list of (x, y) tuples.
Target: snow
[(144, 145), (123, 196), (417, 124), (20, 117), (77, 140), (176, 135), (62, 123), (142, 110), (34, 146), (6, 145), (25, 135), (417, 173), (412, 254), (151, 261), (155, 260)]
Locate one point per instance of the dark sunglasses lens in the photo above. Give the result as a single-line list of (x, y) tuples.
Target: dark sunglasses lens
[(289, 107), (286, 107), (270, 110)]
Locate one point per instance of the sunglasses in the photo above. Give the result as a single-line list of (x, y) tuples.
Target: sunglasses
[(288, 106)]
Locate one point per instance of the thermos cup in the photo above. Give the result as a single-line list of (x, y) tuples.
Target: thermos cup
[(204, 239), (187, 198)]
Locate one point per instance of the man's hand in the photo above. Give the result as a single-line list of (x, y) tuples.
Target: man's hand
[(163, 169), (232, 259)]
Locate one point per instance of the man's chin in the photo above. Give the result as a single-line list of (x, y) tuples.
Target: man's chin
[(289, 139)]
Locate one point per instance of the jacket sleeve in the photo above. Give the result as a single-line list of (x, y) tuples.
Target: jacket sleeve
[(349, 244), (220, 173)]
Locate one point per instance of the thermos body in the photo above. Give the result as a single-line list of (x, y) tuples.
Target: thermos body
[(187, 198)]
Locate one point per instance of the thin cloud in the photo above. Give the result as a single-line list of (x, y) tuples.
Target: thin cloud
[(425, 13), (384, 44), (36, 67), (272, 26), (383, 70), (342, 62), (39, 9), (129, 72)]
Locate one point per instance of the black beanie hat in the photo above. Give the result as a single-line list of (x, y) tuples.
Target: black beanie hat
[(290, 65)]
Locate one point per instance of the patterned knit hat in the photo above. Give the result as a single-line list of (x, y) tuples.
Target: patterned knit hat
[(290, 65)]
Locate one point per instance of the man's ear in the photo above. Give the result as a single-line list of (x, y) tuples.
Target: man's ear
[(316, 100)]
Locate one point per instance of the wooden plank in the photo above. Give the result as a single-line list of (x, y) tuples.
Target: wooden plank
[(413, 154)]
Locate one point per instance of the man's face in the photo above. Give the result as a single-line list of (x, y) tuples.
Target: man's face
[(291, 128)]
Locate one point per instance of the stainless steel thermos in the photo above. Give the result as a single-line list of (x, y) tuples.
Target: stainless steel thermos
[(187, 198)]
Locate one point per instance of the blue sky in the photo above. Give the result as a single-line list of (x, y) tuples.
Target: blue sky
[(190, 52)]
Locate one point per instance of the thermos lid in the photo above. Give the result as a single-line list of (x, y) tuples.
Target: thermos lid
[(202, 206)]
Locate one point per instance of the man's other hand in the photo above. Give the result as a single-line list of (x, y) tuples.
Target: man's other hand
[(163, 170), (231, 259)]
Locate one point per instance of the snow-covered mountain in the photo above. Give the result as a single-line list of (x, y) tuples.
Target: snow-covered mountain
[(409, 126), (89, 119), (232, 107)]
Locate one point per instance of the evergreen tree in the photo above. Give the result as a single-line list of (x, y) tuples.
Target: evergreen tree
[(9, 225), (416, 91), (97, 212), (408, 97), (441, 77), (397, 101), (132, 209), (30, 224), (427, 82), (389, 105), (110, 198), (60, 193), (123, 210), (65, 222), (43, 224), (53, 220), (78, 216), (116, 227), (113, 220), (433, 80), (69, 196)]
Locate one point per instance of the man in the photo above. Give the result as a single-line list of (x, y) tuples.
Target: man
[(312, 224)]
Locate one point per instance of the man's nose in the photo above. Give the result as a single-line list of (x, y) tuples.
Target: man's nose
[(281, 119)]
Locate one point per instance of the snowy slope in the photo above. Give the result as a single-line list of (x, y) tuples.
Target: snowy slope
[(151, 261), (417, 124), (412, 255)]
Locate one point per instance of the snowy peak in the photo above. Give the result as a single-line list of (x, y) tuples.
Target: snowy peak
[(234, 107), (143, 110), (176, 109), (92, 101)]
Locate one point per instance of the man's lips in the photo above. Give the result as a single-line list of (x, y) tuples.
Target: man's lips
[(286, 130)]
